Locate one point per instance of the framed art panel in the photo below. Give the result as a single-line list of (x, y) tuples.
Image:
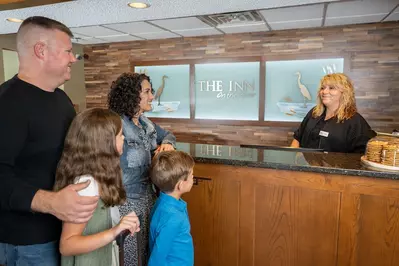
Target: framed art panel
[(171, 84), (227, 91), (292, 86)]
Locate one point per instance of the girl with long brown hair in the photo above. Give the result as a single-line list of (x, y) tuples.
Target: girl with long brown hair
[(92, 149)]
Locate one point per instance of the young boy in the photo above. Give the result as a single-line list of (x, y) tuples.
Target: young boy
[(170, 239)]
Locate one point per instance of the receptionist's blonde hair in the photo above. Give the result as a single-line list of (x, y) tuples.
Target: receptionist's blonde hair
[(347, 105)]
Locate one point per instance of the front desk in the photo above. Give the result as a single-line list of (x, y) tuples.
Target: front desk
[(271, 207)]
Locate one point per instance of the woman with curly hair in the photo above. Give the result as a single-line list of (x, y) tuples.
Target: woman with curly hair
[(92, 151), (130, 96), (334, 124)]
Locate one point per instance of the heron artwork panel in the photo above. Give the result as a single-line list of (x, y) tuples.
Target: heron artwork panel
[(292, 86)]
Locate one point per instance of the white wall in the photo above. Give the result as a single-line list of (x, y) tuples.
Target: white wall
[(10, 63)]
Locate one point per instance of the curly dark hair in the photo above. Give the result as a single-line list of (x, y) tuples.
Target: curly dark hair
[(90, 149), (124, 96)]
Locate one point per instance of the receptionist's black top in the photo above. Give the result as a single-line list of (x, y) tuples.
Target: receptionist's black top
[(349, 136)]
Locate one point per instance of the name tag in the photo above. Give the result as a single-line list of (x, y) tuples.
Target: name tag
[(323, 133)]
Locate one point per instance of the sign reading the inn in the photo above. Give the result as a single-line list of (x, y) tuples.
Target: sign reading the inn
[(233, 89)]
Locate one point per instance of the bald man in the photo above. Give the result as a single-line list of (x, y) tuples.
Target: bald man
[(34, 118)]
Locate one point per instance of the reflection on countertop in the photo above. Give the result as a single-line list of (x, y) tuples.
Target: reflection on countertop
[(283, 159)]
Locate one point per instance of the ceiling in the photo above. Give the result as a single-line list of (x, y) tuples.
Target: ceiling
[(16, 4), (104, 21)]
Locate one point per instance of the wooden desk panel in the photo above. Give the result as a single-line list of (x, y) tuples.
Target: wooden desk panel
[(265, 217)]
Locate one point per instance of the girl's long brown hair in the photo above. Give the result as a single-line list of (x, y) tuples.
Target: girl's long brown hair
[(90, 149), (347, 106)]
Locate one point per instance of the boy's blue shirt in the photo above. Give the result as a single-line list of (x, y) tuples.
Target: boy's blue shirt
[(170, 239)]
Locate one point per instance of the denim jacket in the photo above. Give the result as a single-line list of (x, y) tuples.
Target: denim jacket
[(138, 148)]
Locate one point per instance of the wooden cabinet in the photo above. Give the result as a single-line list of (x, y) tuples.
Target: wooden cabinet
[(264, 217), (214, 208), (369, 228)]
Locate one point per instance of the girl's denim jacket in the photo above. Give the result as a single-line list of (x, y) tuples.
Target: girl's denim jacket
[(138, 149)]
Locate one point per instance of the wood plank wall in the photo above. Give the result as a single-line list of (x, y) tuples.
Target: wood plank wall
[(374, 67)]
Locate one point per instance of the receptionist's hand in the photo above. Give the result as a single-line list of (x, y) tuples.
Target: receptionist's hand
[(164, 147)]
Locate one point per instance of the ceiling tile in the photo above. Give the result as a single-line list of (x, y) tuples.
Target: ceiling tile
[(134, 27), (296, 24), (89, 41), (95, 31), (244, 28), (198, 32), (80, 36), (120, 38), (352, 20), (181, 23), (84, 13), (360, 8), (394, 16), (157, 35), (287, 14)]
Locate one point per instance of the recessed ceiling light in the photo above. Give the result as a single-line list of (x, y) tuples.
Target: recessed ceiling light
[(16, 20), (140, 5)]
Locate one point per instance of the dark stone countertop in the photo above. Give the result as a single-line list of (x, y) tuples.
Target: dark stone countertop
[(284, 159)]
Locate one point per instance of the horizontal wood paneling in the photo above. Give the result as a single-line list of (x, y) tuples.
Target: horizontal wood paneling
[(373, 50), (230, 135), (292, 218)]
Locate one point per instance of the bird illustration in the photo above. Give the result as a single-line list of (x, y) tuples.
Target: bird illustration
[(160, 90), (304, 90), (144, 71)]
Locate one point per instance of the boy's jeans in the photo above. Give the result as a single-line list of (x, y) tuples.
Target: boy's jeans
[(32, 255)]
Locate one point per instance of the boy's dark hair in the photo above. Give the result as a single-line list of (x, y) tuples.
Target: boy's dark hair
[(45, 23), (169, 167)]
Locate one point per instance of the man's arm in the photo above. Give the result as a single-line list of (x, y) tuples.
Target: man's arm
[(17, 195), (66, 204)]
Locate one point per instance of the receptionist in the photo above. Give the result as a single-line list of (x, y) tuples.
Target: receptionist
[(334, 125)]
